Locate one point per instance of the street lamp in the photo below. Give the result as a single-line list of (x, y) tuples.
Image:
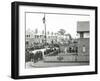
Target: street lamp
[(44, 21)]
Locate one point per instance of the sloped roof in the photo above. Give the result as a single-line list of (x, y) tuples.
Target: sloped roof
[(83, 26)]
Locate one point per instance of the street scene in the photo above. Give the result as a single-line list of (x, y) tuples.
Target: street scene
[(53, 40)]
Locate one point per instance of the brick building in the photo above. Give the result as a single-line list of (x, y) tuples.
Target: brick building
[(83, 40)]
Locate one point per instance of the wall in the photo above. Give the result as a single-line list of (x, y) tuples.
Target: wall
[(83, 42), (5, 40)]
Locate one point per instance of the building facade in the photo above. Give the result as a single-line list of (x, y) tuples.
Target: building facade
[(83, 39), (38, 37)]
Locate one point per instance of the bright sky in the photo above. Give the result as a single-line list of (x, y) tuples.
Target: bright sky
[(54, 22)]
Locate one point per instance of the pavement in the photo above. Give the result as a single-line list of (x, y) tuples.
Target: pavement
[(43, 64)]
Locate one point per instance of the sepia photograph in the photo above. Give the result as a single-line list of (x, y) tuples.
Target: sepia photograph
[(56, 39)]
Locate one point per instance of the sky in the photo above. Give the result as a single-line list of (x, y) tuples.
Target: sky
[(54, 22)]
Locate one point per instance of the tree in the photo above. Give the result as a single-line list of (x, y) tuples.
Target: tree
[(61, 31), (69, 36)]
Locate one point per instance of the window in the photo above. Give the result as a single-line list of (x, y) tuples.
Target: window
[(26, 35), (86, 35), (27, 42), (81, 35), (84, 48)]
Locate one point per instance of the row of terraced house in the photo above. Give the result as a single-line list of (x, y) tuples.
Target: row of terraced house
[(33, 37)]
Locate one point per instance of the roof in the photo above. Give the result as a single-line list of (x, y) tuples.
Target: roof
[(83, 26)]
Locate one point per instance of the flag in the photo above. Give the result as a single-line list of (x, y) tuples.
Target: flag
[(44, 19)]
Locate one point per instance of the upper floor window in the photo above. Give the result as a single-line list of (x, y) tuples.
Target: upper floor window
[(81, 35), (84, 48)]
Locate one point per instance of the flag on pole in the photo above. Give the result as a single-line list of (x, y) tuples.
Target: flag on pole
[(44, 19)]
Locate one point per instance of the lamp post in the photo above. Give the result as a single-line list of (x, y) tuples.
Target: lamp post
[(44, 21)]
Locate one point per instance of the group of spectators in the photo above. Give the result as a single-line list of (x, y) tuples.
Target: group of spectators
[(72, 50), (38, 55)]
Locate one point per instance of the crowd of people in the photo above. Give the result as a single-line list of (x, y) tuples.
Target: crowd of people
[(38, 54), (72, 49)]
